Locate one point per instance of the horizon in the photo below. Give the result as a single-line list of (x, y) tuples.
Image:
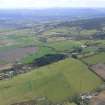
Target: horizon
[(51, 8), (47, 4)]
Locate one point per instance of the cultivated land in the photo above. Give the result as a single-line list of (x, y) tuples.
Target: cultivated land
[(95, 59), (98, 100), (56, 81), (16, 54), (33, 41), (99, 69), (64, 46)]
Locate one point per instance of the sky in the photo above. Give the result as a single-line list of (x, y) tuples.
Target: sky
[(39, 4)]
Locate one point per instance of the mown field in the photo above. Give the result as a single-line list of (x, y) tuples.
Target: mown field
[(66, 45), (57, 81)]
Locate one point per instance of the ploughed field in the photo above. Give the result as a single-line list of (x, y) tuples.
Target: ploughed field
[(16, 54), (98, 100), (99, 69), (96, 64)]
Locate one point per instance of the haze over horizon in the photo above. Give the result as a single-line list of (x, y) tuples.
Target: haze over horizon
[(42, 4)]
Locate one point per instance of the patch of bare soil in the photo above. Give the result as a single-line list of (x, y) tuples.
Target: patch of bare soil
[(37, 101), (6, 42), (16, 54), (5, 66), (32, 102), (99, 69), (98, 100)]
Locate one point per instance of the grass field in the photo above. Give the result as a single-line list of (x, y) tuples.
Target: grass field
[(70, 31), (61, 47), (39, 53), (51, 48), (98, 58), (70, 104), (66, 45), (56, 81), (15, 39)]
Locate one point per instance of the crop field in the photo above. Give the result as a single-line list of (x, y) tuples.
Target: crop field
[(66, 45), (52, 48), (99, 100), (99, 69), (69, 31), (98, 43), (42, 50), (16, 54), (56, 81), (50, 58), (17, 44), (62, 30), (95, 59), (17, 37)]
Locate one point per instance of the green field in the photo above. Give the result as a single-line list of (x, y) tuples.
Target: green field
[(70, 31), (98, 58), (56, 81), (51, 48), (66, 45), (39, 53)]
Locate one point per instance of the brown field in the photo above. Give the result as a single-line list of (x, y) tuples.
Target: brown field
[(16, 54), (5, 66), (99, 69), (6, 42), (98, 100)]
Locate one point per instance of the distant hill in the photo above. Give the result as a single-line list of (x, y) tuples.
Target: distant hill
[(53, 13), (21, 18), (92, 23)]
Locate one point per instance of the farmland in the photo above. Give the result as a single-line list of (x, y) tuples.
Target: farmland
[(56, 58), (16, 54), (98, 58), (63, 46), (67, 78), (99, 69)]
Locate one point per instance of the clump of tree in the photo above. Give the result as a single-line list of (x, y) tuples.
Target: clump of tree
[(100, 88), (48, 59), (76, 99)]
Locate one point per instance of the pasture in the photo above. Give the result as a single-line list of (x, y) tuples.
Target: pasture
[(67, 45), (57, 81), (98, 58)]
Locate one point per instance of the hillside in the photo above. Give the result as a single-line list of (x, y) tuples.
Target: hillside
[(50, 54), (57, 81)]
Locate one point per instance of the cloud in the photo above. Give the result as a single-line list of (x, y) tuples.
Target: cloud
[(50, 3)]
